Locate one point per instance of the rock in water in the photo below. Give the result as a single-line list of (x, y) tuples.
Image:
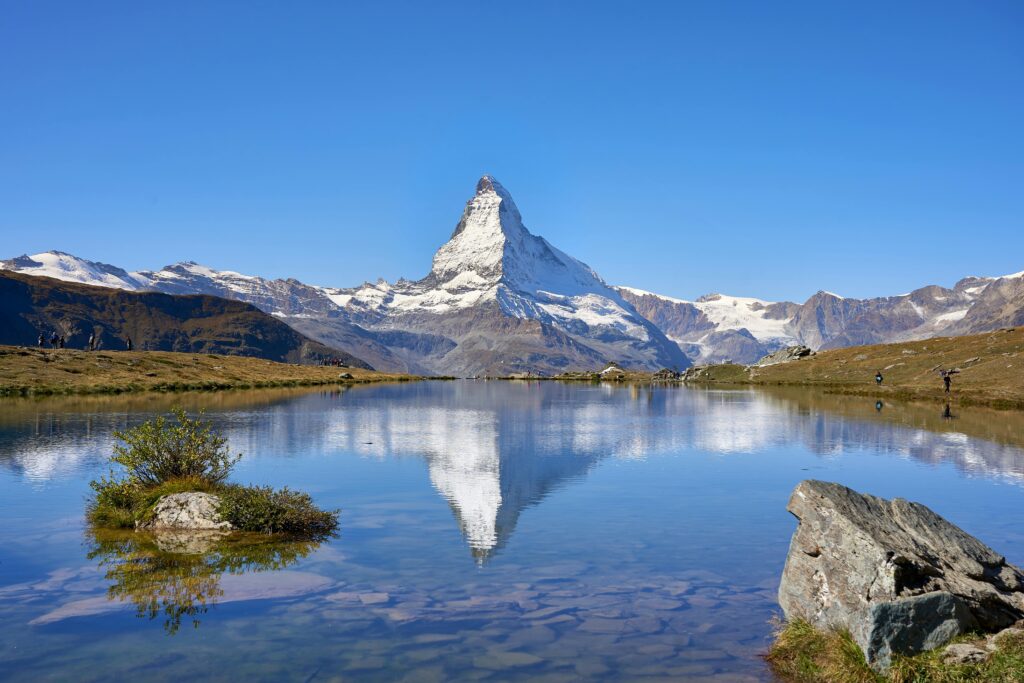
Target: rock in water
[(897, 576), (187, 511)]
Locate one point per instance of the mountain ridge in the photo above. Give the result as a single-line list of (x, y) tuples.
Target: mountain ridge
[(499, 299), (31, 305)]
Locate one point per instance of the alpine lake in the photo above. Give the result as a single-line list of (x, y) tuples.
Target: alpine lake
[(490, 531)]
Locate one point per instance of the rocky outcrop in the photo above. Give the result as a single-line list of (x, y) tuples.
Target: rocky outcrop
[(191, 511), (785, 355), (897, 576)]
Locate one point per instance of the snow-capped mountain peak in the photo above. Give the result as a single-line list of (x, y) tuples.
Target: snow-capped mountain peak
[(70, 268), (491, 246)]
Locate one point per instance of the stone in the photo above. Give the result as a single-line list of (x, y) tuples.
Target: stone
[(192, 510), (997, 640), (345, 375), (900, 578), (790, 353), (964, 653)]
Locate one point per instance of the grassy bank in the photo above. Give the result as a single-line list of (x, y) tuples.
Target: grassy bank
[(29, 371), (803, 654), (991, 370)]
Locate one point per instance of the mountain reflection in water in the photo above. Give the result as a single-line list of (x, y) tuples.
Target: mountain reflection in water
[(493, 449)]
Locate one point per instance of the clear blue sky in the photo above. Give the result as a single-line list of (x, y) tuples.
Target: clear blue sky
[(759, 148)]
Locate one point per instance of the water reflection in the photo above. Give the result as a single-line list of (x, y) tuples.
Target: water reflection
[(179, 576), (494, 449)]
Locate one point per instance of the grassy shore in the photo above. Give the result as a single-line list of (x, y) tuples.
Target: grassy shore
[(29, 371), (803, 654), (991, 370)]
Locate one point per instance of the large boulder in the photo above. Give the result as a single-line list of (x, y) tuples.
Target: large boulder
[(790, 353), (897, 576), (193, 511)]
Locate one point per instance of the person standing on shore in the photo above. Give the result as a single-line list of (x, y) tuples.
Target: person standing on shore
[(878, 377), (42, 340), (61, 341), (128, 343), (947, 379), (92, 341)]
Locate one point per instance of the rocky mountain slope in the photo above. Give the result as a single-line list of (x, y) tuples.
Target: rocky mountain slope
[(30, 305), (500, 300), (497, 300), (716, 328)]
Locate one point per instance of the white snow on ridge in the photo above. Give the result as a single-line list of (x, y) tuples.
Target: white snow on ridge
[(62, 266), (732, 313)]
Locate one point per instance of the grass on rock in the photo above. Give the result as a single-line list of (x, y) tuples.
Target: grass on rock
[(162, 457)]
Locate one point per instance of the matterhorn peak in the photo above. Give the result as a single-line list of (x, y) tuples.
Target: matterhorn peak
[(489, 223)]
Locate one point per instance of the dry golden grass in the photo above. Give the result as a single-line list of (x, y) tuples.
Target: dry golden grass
[(991, 370), (29, 371)]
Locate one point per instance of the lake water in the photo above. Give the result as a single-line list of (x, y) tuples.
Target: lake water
[(493, 531)]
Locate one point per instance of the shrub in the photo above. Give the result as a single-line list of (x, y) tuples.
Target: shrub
[(161, 458), (158, 451), (263, 509)]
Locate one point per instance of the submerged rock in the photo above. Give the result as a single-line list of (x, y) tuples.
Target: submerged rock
[(897, 576), (191, 510)]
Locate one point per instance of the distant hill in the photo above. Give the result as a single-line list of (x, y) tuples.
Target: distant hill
[(154, 321)]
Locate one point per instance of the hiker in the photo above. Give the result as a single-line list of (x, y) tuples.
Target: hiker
[(92, 341), (878, 377), (42, 341), (54, 339), (128, 343), (61, 341), (947, 379)]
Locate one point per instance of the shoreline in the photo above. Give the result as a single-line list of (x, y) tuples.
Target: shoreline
[(989, 371), (31, 372)]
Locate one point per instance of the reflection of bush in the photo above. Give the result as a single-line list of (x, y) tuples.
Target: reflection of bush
[(177, 575)]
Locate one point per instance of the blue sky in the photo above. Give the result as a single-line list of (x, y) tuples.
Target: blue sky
[(767, 149)]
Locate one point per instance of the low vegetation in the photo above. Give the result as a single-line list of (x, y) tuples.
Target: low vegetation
[(803, 654), (162, 457), (28, 371), (990, 370)]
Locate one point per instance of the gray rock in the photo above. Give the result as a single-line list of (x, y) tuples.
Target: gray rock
[(187, 511), (790, 353), (964, 653), (899, 577), (996, 640)]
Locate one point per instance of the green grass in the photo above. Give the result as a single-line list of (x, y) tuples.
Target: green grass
[(803, 654), (162, 457)]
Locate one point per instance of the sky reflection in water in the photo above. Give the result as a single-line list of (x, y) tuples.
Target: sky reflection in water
[(489, 530)]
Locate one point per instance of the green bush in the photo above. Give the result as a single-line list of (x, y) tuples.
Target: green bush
[(263, 509), (160, 458), (158, 451)]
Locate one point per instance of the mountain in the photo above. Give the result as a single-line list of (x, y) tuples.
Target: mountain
[(30, 305), (715, 327), (499, 300), (504, 300)]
